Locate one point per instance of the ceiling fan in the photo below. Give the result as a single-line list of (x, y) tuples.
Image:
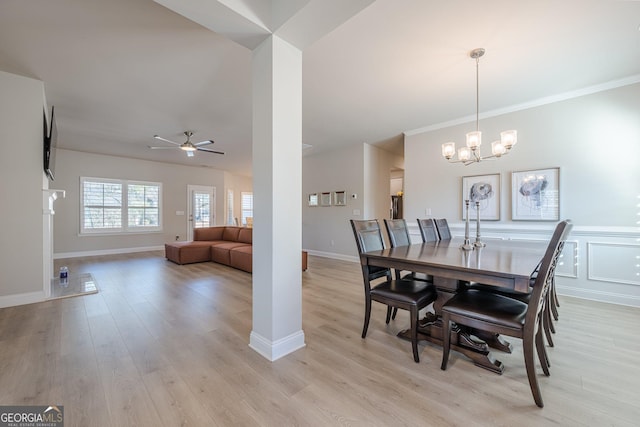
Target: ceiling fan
[(187, 146)]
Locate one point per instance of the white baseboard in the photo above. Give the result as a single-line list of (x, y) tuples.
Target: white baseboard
[(333, 255), (274, 350), (21, 299), (599, 296), (62, 255)]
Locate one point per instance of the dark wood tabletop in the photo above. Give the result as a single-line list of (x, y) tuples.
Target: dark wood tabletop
[(504, 263)]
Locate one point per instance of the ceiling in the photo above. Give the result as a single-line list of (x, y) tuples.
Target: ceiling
[(121, 71)]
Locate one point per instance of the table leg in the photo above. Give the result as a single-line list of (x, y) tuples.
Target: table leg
[(430, 329), (493, 340)]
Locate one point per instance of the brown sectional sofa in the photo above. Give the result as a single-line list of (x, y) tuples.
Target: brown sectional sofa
[(226, 245)]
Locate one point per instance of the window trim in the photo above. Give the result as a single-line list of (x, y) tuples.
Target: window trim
[(125, 229)]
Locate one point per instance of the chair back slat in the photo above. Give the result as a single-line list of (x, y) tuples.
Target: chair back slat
[(428, 230), (443, 229), (398, 232)]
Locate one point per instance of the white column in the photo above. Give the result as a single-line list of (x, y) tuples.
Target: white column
[(277, 186)]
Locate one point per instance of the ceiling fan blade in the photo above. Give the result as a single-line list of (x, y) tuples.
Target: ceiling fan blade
[(161, 148), (208, 141), (189, 153), (209, 151), (165, 140)]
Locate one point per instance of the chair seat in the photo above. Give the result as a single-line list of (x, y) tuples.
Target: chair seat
[(406, 291), (488, 307)]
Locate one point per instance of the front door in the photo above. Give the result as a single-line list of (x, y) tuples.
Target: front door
[(201, 208)]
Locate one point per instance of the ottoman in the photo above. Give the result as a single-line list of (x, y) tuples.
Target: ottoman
[(188, 252)]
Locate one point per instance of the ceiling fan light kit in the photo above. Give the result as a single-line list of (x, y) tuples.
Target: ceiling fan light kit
[(471, 153), (187, 146)]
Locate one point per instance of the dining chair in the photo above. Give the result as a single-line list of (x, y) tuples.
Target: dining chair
[(428, 230), (399, 236), (496, 313), (410, 295), (550, 311), (443, 229)]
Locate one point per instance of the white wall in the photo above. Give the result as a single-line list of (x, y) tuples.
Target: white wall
[(326, 230), (71, 165), (360, 169), (21, 184), (595, 140)]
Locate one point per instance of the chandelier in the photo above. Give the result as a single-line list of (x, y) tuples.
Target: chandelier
[(471, 153)]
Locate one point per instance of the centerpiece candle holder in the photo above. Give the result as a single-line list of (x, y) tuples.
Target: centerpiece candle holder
[(467, 246), (478, 243)]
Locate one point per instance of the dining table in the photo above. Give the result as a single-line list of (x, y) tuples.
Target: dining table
[(501, 263)]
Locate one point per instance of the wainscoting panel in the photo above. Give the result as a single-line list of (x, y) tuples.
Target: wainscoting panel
[(614, 262)]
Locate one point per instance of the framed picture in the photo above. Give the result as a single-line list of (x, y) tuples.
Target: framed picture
[(484, 189), (535, 195), (325, 198), (340, 198), (313, 199)]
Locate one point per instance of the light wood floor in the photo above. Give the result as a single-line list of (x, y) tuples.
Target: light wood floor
[(167, 345)]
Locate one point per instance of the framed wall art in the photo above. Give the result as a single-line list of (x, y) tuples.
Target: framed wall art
[(325, 198), (340, 198), (484, 189), (535, 195), (313, 199)]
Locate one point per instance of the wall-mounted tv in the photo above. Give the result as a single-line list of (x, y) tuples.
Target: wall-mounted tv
[(50, 144)]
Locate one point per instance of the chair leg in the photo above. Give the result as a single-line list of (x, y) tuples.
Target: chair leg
[(446, 340), (395, 311), (542, 353), (367, 315), (554, 293), (414, 332), (547, 324), (527, 347), (554, 302), (389, 308), (548, 315)]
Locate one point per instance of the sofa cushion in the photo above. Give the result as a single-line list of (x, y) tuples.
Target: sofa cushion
[(220, 253), (245, 235), (208, 233), (230, 234), (241, 258)]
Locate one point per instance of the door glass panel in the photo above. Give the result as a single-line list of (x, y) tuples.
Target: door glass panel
[(201, 209)]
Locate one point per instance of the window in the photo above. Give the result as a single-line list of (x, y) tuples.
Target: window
[(230, 220), (119, 206), (247, 206)]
